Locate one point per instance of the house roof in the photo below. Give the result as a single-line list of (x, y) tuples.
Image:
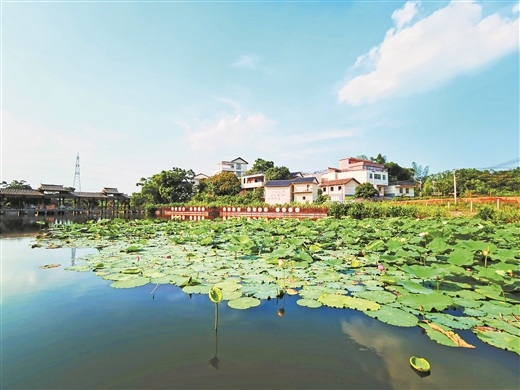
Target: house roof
[(309, 179), (96, 195), (109, 190), (296, 174), (239, 160), (278, 183), (52, 187), (337, 182), (20, 192), (200, 176)]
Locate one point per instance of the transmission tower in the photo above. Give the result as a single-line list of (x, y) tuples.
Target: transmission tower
[(77, 181)]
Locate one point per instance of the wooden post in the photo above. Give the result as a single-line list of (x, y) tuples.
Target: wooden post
[(498, 204), (471, 206)]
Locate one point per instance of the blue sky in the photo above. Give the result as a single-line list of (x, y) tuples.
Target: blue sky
[(140, 87)]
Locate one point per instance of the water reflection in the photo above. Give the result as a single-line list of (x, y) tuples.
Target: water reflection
[(215, 361)]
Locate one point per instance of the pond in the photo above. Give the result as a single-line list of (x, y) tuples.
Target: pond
[(71, 330)]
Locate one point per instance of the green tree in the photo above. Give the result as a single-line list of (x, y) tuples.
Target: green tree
[(16, 184), (173, 186), (225, 183), (277, 173), (380, 159), (420, 174), (398, 173), (260, 166), (366, 191)]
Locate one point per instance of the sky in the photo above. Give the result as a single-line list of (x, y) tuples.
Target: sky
[(137, 87)]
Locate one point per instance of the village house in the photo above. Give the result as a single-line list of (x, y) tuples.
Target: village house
[(250, 182), (400, 188), (301, 189), (338, 190), (238, 166)]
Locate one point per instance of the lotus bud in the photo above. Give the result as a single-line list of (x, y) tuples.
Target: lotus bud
[(380, 267), (436, 277), (280, 262)]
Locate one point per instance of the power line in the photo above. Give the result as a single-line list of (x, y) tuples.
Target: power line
[(514, 163)]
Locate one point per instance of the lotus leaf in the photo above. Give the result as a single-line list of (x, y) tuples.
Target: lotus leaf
[(496, 307), (228, 285), (378, 296), (444, 335), (431, 301), (313, 304), (243, 303), (502, 324), (116, 277), (361, 304), (438, 245), (393, 316), (461, 257), (473, 312), (452, 321), (422, 272), (198, 289), (333, 300), (78, 268), (467, 303), (130, 283), (46, 266), (414, 287), (501, 340), (229, 295)]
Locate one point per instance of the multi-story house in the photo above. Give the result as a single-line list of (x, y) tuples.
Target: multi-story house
[(300, 189), (255, 180), (364, 171), (238, 166), (338, 190), (400, 188)]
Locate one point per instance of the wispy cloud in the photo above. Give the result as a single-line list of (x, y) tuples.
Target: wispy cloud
[(247, 61), (229, 102), (451, 41), (516, 8)]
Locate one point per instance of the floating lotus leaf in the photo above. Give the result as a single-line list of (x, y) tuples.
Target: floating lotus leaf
[(333, 300), (46, 266), (309, 303), (161, 280), (512, 326), (328, 276), (443, 335), (130, 283), (361, 304), (501, 340), (414, 287), (452, 321), (229, 295), (467, 303), (228, 285), (438, 245), (132, 271), (421, 272), (431, 301), (466, 294), (378, 296), (152, 273), (473, 312), (243, 303), (496, 307), (420, 364), (116, 277), (393, 316), (198, 289), (79, 268), (310, 293), (180, 281)]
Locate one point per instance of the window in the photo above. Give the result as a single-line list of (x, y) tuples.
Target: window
[(339, 188), (384, 177), (370, 176), (332, 188), (407, 190), (400, 190), (377, 176), (308, 186), (324, 189), (303, 197), (238, 167)]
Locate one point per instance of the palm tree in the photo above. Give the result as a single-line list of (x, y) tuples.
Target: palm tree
[(419, 174)]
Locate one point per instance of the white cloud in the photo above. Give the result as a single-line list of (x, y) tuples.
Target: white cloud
[(516, 8), (449, 42), (247, 61), (405, 14)]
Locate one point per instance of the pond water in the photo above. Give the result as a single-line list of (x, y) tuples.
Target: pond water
[(70, 330)]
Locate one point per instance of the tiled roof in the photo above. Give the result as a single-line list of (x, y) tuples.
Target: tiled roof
[(52, 187), (109, 190), (97, 195), (278, 183), (337, 182), (310, 179), (20, 192), (241, 159)]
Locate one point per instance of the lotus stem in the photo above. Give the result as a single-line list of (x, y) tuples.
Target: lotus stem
[(216, 316)]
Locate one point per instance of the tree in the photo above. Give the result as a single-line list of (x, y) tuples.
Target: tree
[(260, 166), (173, 186), (419, 174), (277, 173), (16, 184), (366, 191), (398, 173), (225, 183), (379, 159)]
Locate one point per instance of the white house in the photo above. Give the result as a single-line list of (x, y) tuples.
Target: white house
[(400, 188), (250, 182), (364, 171), (305, 189), (197, 178), (238, 166), (338, 190)]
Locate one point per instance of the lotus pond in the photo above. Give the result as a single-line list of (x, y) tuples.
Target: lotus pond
[(306, 304)]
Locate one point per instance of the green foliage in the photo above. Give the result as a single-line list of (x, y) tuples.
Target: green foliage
[(175, 185), (16, 184), (366, 191), (277, 173), (398, 173), (260, 166), (225, 183)]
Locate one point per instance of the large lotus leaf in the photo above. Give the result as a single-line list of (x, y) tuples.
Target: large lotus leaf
[(443, 335), (394, 244), (309, 303), (130, 283), (467, 294), (452, 321), (506, 255), (489, 274), (378, 296), (228, 285), (477, 245), (422, 272), (375, 245), (461, 257), (152, 273), (116, 277), (229, 295), (431, 301), (501, 340), (393, 316), (512, 326), (161, 280), (438, 245), (310, 293), (473, 312), (78, 268), (467, 303), (243, 303), (198, 289), (496, 307), (493, 291), (449, 269), (328, 276), (180, 281), (414, 287), (333, 300), (361, 304)]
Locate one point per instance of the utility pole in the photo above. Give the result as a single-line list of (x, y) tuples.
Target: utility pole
[(455, 185)]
